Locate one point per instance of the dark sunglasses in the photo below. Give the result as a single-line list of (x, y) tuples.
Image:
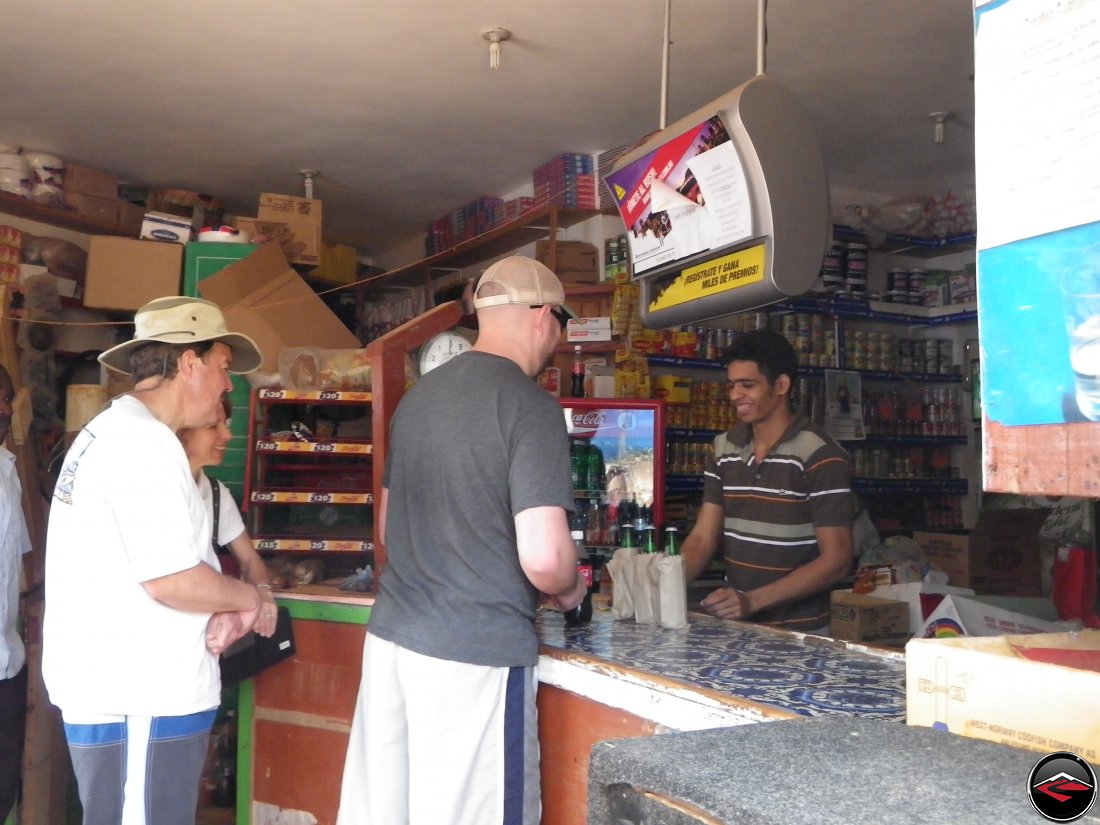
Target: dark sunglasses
[(558, 314)]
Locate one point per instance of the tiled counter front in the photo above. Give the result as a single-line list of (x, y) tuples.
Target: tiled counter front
[(616, 679)]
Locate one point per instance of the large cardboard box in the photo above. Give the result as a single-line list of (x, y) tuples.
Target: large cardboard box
[(860, 618), (1036, 692), (264, 298), (289, 208), (124, 273), (999, 557)]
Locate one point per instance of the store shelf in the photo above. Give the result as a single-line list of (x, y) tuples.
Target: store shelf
[(828, 304), (815, 372), (300, 545), (910, 440), (916, 486), (529, 227), (314, 396), (907, 244), (309, 497), (60, 217), (313, 447), (683, 483), (679, 434)]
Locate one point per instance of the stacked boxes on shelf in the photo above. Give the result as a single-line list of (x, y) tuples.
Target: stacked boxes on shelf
[(464, 223), (566, 180), (517, 206)]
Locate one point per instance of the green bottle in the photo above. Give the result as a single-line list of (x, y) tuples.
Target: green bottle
[(649, 543), (672, 541), (628, 536)]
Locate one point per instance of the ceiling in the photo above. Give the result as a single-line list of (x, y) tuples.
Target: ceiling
[(393, 101)]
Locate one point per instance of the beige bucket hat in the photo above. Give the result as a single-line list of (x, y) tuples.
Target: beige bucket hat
[(181, 320)]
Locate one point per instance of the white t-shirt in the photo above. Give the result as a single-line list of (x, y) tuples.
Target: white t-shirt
[(230, 523), (126, 510), (14, 542)]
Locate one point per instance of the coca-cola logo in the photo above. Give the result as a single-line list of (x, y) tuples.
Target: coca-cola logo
[(590, 420)]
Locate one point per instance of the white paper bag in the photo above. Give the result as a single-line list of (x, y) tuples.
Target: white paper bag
[(621, 568), (671, 592), (645, 588)]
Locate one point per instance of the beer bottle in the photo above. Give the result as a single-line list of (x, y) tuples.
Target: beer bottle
[(672, 541), (649, 543), (594, 469), (578, 462), (628, 536), (577, 388)]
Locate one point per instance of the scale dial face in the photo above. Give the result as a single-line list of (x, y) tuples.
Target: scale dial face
[(440, 349)]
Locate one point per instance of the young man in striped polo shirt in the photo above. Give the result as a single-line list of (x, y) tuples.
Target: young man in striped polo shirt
[(777, 499)]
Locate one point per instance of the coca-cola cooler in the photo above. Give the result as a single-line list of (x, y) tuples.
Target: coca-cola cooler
[(617, 451)]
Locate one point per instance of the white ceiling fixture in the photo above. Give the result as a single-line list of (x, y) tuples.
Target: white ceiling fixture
[(307, 181), (940, 118), (495, 38)]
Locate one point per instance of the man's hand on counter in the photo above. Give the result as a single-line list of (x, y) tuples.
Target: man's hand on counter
[(567, 601), (727, 603)]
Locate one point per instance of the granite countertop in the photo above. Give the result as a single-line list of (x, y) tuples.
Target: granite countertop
[(778, 674)]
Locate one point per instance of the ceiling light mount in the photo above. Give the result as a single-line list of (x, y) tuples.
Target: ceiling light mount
[(495, 37), (940, 118), (307, 180)]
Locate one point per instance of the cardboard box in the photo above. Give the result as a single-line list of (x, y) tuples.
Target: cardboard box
[(588, 329), (289, 208), (131, 216), (161, 226), (1030, 692), (860, 618), (264, 298), (674, 389), (300, 241), (89, 206), (84, 180), (339, 264), (576, 262), (124, 273), (992, 616), (999, 557)]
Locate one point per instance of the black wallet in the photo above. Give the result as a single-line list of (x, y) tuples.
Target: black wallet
[(253, 653)]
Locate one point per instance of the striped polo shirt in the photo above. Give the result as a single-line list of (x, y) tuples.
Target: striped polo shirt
[(773, 507)]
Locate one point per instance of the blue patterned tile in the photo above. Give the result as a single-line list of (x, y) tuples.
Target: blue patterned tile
[(808, 676)]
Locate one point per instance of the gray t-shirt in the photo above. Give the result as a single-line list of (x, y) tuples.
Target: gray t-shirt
[(472, 444)]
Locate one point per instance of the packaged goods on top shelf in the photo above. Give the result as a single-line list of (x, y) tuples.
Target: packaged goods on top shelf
[(566, 180)]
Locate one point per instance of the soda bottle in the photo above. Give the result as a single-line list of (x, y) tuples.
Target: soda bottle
[(577, 388), (649, 543), (672, 541), (578, 463), (594, 469), (582, 613)]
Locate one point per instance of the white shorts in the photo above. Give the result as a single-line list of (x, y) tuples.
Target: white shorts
[(435, 741)]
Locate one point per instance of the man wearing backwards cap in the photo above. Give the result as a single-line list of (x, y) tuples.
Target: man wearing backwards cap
[(473, 509), (137, 609)]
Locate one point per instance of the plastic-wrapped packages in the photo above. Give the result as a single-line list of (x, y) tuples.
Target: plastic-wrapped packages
[(315, 368)]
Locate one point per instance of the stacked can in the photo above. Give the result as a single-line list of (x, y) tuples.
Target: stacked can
[(917, 277), (855, 269), (897, 286), (832, 267)]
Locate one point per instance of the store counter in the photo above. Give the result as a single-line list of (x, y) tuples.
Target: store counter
[(605, 680)]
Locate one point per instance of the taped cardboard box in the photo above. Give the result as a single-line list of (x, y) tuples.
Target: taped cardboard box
[(857, 617), (124, 273), (999, 557), (264, 298), (300, 241), (921, 598), (84, 180), (104, 210), (1036, 692)]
